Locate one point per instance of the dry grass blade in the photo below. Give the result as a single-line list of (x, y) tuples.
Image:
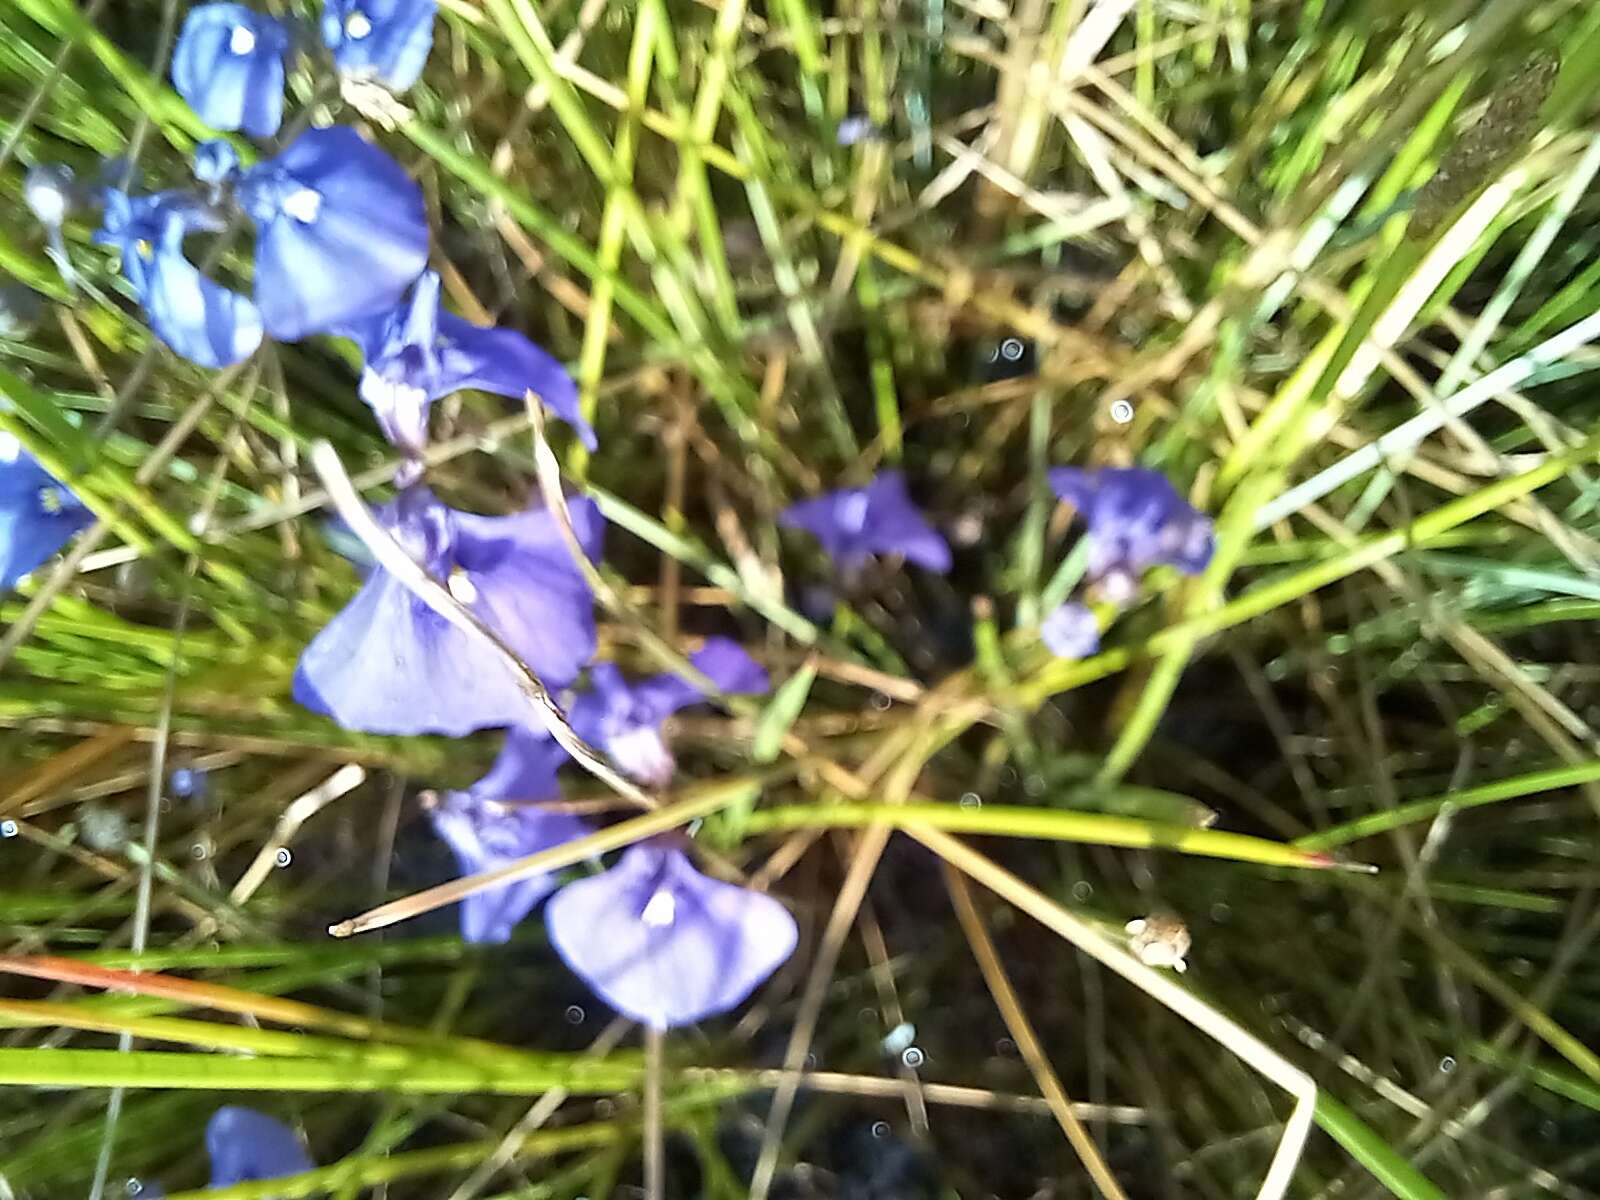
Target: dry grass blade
[(1159, 987)]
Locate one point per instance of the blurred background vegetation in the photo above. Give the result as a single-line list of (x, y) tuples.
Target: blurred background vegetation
[(782, 245)]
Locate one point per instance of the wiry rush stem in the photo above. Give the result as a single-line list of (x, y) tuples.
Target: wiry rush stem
[(1158, 986), (391, 556), (1028, 1045)]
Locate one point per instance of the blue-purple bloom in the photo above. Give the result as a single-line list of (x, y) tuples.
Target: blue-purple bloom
[(490, 825), (189, 783), (1136, 520), (228, 65), (383, 40), (418, 353), (199, 318), (216, 164), (1071, 631), (880, 518), (387, 663), (624, 719), (662, 943), (246, 1145), (38, 515), (341, 232)]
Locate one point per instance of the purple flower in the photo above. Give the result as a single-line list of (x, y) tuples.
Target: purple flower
[(1136, 520), (189, 783), (38, 515), (389, 664), (625, 719), (1071, 631), (216, 164), (341, 232), (386, 40), (418, 353), (664, 944), (199, 318), (228, 65), (489, 826), (246, 1145), (877, 519)]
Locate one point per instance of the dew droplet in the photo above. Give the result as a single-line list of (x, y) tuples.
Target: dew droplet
[(899, 1037), (880, 1129), (8, 829), (913, 1057), (1012, 349), (575, 1015), (1121, 411), (1447, 1064), (971, 800), (283, 857), (1082, 890)]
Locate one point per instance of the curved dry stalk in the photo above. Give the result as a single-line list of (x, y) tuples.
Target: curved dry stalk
[(392, 557), (1021, 1030), (1256, 1053)]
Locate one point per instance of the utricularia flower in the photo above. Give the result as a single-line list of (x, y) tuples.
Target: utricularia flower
[(341, 232), (246, 1145), (1071, 631), (389, 664), (417, 353), (38, 514), (624, 719), (855, 523), (662, 943), (494, 823), (1136, 520), (386, 41), (196, 316), (229, 65)]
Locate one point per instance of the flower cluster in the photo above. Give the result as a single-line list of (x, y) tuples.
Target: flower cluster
[(1134, 520), (340, 248), (341, 245)]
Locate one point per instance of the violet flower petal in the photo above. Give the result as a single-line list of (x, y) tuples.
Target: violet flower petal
[(386, 40), (342, 232), (484, 836), (388, 664), (1071, 631), (853, 523), (246, 1145), (228, 64), (506, 363), (198, 318), (38, 514), (662, 943), (1136, 519), (529, 589)]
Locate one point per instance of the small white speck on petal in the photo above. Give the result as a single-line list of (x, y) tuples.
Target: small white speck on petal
[(9, 447), (303, 205), (661, 910), (852, 511), (357, 26), (242, 40), (461, 587)]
